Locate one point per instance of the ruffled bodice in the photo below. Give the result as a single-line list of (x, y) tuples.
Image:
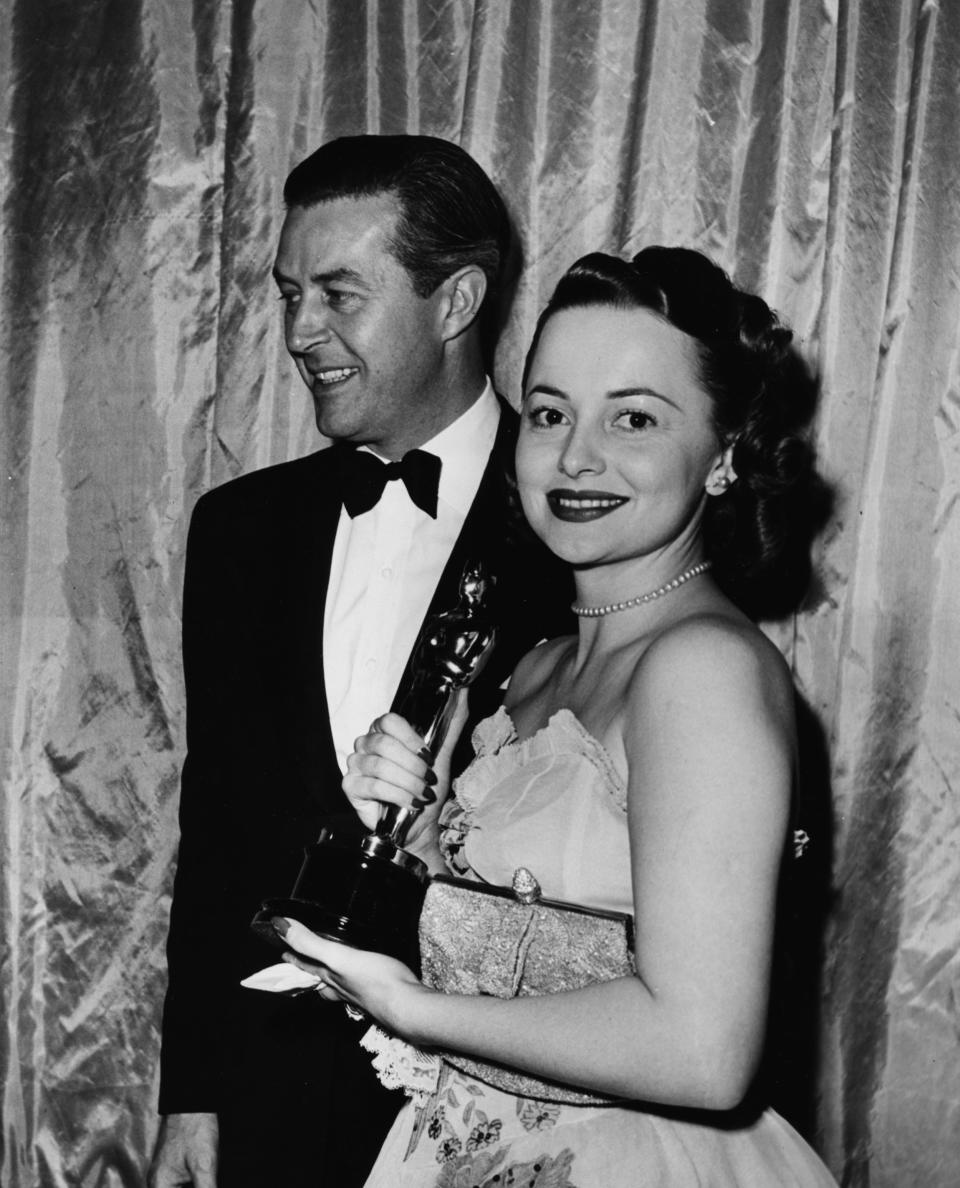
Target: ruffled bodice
[(553, 803)]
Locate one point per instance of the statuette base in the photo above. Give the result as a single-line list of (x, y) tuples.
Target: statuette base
[(364, 892)]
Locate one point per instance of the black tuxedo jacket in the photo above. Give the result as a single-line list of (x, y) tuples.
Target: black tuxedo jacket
[(259, 781)]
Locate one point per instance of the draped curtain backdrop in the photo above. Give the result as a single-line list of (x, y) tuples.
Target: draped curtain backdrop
[(811, 148)]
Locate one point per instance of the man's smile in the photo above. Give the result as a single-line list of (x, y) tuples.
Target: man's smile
[(580, 506), (332, 375)]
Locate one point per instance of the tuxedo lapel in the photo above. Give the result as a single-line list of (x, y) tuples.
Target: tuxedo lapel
[(321, 505), (482, 531), (313, 519)]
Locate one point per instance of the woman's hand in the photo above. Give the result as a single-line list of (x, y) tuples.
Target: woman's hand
[(372, 982), (391, 765)]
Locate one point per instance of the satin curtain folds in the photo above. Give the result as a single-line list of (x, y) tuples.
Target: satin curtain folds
[(811, 148)]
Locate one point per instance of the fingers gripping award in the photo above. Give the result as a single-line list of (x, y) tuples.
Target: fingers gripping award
[(368, 892)]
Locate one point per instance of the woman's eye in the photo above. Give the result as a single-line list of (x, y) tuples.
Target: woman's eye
[(289, 299), (545, 417), (634, 418)]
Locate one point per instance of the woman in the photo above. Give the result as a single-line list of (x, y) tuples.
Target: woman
[(643, 766)]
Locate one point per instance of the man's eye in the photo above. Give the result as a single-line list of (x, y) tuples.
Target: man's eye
[(340, 298), (289, 298), (545, 417), (634, 418)]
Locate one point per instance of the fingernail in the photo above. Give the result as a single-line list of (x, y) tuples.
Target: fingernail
[(431, 777), (279, 924), (425, 754), (428, 796)]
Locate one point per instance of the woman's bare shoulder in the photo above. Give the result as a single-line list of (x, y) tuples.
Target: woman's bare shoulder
[(715, 658), (708, 730)]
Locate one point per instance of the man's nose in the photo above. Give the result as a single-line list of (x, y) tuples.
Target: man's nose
[(308, 326)]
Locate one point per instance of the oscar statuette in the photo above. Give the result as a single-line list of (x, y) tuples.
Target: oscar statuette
[(368, 892)]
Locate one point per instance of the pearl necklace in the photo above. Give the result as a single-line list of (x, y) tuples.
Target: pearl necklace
[(595, 612)]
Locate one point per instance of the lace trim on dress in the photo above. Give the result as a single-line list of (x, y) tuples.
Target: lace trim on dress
[(596, 752), (400, 1065)]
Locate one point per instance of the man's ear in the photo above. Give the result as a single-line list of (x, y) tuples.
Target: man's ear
[(722, 476), (463, 293)]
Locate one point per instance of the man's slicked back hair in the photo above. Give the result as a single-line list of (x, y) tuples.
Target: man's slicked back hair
[(450, 213)]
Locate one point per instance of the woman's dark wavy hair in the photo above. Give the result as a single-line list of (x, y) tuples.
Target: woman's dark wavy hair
[(758, 533)]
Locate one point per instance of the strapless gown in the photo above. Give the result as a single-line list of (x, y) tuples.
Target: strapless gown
[(555, 804)]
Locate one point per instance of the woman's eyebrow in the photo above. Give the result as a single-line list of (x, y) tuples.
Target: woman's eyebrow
[(614, 394), (548, 390), (620, 393)]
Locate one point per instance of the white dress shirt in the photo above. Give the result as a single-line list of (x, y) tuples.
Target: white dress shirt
[(385, 567)]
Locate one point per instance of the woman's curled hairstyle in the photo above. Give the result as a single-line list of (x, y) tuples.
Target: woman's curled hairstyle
[(757, 533)]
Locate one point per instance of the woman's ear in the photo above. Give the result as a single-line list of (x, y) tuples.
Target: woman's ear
[(464, 291), (722, 477)]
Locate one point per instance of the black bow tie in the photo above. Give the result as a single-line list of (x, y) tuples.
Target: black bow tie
[(363, 477)]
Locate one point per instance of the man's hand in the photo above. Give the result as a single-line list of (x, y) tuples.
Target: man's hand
[(186, 1152)]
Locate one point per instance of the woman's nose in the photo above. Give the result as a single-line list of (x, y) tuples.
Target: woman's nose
[(581, 454)]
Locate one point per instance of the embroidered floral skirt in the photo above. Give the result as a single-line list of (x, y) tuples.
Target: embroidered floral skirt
[(470, 1135)]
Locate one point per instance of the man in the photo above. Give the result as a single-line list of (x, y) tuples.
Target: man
[(301, 606)]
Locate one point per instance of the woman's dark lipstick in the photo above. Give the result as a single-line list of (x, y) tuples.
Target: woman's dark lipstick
[(577, 507)]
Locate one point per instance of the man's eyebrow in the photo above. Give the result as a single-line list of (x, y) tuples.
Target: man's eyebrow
[(324, 278)]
